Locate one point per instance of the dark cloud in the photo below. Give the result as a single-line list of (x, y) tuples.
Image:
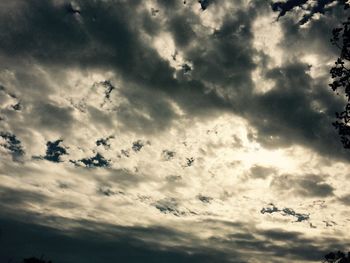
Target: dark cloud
[(261, 172), (280, 234), (277, 124), (221, 64), (284, 7), (308, 185), (313, 38), (168, 155), (169, 206), (6, 96), (72, 8), (204, 198), (142, 113), (345, 199), (320, 7), (296, 245), (125, 178), (154, 11), (52, 117), (173, 178), (181, 28), (108, 191), (228, 58), (88, 241), (19, 198), (299, 122), (81, 41), (43, 41), (310, 8), (119, 47)]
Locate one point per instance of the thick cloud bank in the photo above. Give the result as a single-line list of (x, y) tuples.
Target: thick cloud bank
[(170, 131)]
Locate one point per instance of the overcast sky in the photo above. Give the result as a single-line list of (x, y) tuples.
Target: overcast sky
[(170, 131)]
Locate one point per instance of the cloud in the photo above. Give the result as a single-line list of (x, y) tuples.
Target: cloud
[(168, 155), (52, 117), (160, 109), (20, 198), (173, 207), (93, 241), (306, 186), (345, 199), (310, 8), (88, 245), (221, 85), (284, 7), (204, 199), (262, 172)]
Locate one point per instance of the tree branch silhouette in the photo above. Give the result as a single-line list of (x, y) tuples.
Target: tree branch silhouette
[(340, 74)]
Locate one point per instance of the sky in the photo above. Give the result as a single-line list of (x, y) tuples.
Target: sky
[(170, 131)]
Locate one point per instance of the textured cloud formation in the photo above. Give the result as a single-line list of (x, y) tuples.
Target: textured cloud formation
[(170, 131), (310, 8)]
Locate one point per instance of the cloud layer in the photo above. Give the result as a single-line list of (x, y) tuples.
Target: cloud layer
[(177, 130)]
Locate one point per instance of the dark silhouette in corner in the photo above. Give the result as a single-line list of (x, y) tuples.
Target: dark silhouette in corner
[(35, 260), (341, 77), (337, 257), (32, 260), (340, 74)]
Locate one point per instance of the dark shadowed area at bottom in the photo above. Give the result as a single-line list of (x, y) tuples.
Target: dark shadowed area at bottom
[(20, 240)]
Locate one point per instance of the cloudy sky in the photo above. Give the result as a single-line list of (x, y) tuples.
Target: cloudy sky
[(170, 131)]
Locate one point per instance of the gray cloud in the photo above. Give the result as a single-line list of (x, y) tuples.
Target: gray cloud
[(220, 78), (88, 72), (204, 199), (97, 243), (345, 199), (20, 198), (306, 185), (88, 240), (296, 246), (172, 206), (309, 8), (262, 172), (52, 117)]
